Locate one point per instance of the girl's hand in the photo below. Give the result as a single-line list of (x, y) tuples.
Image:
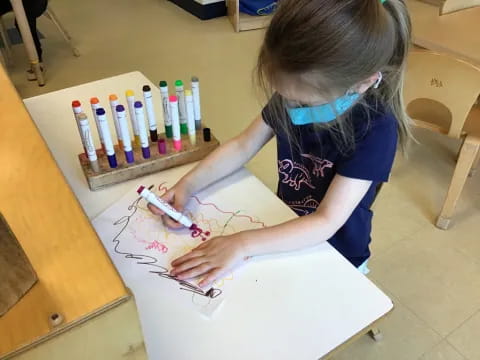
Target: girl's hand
[(211, 260), (177, 197)]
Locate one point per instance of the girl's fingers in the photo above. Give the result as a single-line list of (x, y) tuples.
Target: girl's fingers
[(169, 222), (210, 277), (155, 210), (194, 272), (187, 265), (190, 255)]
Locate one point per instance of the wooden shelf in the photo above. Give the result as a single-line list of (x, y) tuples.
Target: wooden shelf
[(243, 22)]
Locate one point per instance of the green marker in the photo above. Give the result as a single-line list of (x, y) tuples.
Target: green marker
[(182, 108), (166, 109)]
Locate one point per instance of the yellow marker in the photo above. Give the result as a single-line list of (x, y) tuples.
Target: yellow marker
[(131, 110), (190, 117)]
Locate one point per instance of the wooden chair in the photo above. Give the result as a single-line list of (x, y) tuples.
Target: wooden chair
[(439, 95)]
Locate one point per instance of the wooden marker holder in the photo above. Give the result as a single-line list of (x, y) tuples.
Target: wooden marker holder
[(141, 167)]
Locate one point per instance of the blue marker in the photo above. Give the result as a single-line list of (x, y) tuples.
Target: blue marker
[(125, 133), (107, 139), (142, 130)]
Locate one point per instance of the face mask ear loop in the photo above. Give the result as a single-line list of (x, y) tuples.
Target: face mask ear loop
[(379, 80)]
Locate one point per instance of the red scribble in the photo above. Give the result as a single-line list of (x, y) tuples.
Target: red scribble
[(155, 245), (164, 189), (197, 232)]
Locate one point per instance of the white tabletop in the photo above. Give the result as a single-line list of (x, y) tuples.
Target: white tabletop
[(297, 306)]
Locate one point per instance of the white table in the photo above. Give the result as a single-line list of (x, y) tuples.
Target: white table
[(299, 306)]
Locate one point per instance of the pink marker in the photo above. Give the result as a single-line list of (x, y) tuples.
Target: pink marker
[(177, 140), (77, 109)]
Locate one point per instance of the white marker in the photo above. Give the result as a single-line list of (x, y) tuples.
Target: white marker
[(177, 140), (131, 110), (166, 109), (127, 142), (113, 106), (105, 131), (88, 141), (142, 130), (182, 109), (152, 121), (196, 102), (95, 103), (77, 109), (165, 207), (190, 117)]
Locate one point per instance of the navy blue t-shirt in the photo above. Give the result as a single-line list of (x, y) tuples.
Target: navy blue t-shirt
[(306, 171)]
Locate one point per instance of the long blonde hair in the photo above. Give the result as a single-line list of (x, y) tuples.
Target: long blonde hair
[(331, 45)]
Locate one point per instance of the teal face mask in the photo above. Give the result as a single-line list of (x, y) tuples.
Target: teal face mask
[(322, 113)]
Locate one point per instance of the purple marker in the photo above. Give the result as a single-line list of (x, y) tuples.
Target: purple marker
[(127, 142), (142, 130), (107, 139), (162, 146)]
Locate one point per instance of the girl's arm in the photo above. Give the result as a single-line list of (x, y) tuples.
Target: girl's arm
[(229, 157), (215, 257), (343, 196)]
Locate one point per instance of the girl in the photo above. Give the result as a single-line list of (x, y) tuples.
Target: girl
[(335, 69)]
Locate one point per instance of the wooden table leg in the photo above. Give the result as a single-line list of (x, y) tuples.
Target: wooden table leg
[(27, 39), (468, 153)]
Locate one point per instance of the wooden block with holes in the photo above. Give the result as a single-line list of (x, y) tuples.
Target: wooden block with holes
[(141, 167)]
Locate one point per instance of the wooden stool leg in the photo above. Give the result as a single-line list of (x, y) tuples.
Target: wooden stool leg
[(66, 36), (6, 42), (465, 161), (475, 165), (375, 334)]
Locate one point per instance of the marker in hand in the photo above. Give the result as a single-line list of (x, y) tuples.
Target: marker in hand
[(166, 208)]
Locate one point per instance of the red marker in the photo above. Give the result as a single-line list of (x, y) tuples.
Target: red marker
[(77, 109)]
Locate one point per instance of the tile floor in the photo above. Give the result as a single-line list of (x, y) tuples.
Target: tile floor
[(433, 276)]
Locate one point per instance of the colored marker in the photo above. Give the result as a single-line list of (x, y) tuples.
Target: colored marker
[(127, 142), (95, 103), (196, 102), (131, 110), (206, 135), (190, 117), (88, 141), (77, 109), (113, 106), (182, 109), (105, 131), (166, 109), (152, 121), (162, 146), (165, 207), (142, 129), (177, 140)]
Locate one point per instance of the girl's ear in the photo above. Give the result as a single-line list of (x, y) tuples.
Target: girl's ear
[(373, 80)]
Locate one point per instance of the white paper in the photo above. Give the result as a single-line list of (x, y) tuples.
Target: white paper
[(142, 248)]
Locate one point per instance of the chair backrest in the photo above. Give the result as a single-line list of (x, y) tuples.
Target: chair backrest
[(444, 79), (449, 6)]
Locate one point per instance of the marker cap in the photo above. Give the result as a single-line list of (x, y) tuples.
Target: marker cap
[(120, 108), (129, 93), (94, 100), (76, 103), (146, 88), (129, 156), (112, 97), (188, 92), (172, 98), (100, 111), (146, 152), (138, 104), (163, 83), (177, 144), (140, 189), (169, 131), (112, 161), (194, 79), (206, 135), (162, 146), (179, 83)]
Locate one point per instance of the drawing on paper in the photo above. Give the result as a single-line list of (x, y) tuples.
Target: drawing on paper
[(141, 237)]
